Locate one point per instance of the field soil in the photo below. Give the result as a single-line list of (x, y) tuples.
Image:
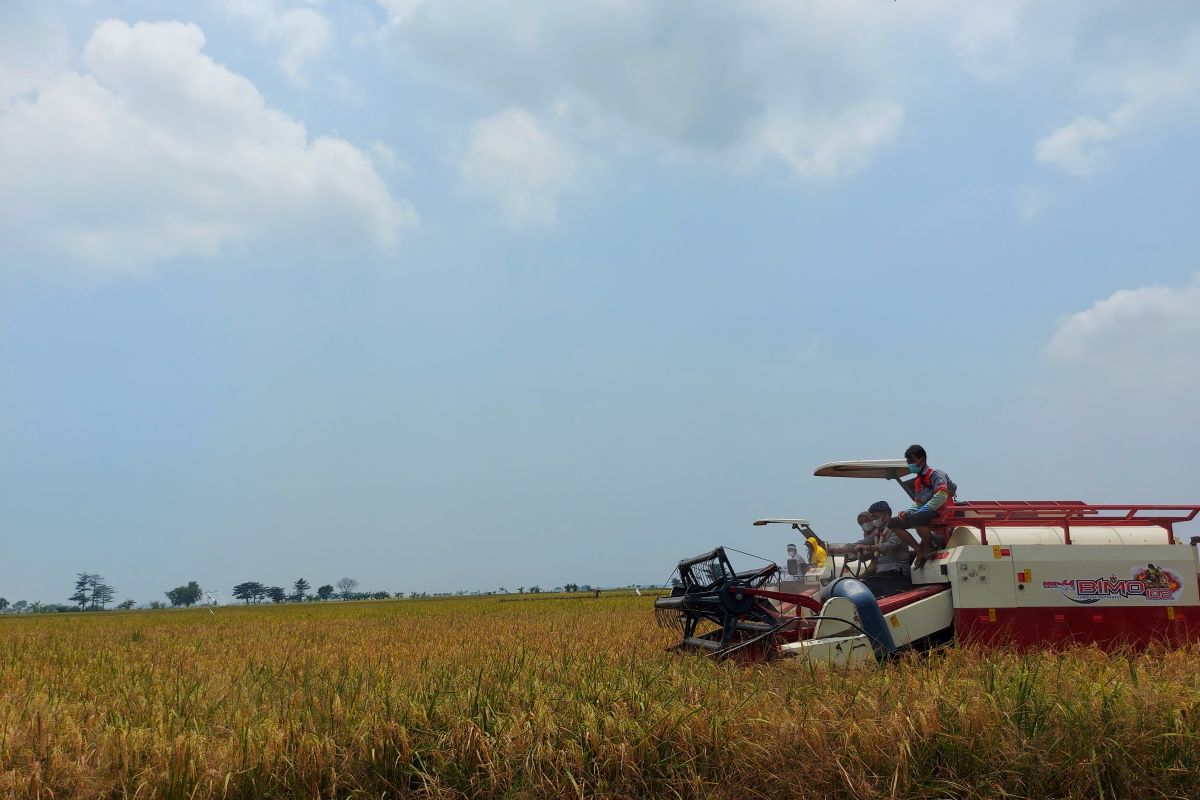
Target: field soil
[(558, 698)]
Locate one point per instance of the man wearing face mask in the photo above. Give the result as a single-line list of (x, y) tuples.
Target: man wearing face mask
[(795, 564), (932, 491), (865, 546), (893, 554), (889, 573)]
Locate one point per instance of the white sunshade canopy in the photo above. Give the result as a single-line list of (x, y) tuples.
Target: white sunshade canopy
[(887, 468)]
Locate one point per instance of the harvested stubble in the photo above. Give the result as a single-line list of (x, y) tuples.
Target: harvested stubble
[(477, 698)]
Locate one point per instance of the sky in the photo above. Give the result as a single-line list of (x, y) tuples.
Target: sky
[(443, 295)]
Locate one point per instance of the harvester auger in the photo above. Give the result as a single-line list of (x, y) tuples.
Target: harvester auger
[(724, 613), (1009, 573)]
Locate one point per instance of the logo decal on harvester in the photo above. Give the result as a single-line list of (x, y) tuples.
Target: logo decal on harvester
[(1148, 582)]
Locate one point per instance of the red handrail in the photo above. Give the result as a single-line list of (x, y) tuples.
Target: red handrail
[(1065, 513)]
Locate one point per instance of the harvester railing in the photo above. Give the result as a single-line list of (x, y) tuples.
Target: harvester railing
[(983, 514)]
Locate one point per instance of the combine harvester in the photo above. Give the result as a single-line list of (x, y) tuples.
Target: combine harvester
[(1013, 573)]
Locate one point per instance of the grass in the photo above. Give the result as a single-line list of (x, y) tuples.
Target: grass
[(559, 698)]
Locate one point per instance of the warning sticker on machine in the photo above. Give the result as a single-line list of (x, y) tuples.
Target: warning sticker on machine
[(1146, 581)]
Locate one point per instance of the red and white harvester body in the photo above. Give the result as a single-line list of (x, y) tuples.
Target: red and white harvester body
[(1012, 573)]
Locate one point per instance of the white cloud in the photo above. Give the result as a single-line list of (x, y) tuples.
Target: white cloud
[(1113, 395), (998, 42), (520, 164), (157, 152), (1149, 77), (1147, 337), (1077, 147), (34, 48), (302, 32), (1133, 68), (819, 86), (1115, 391), (814, 86)]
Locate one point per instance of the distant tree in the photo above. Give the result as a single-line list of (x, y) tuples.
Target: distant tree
[(570, 587), (346, 586), (277, 594), (398, 595), (520, 590), (325, 591), (34, 607), (102, 595), (381, 596), (125, 605), (91, 592), (19, 606), (83, 583), (186, 596), (502, 590), (300, 590), (3, 603), (157, 604), (535, 590), (250, 590)]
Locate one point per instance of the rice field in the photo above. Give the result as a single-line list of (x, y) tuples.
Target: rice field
[(558, 698)]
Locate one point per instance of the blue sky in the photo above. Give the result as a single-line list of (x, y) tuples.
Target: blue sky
[(443, 296)]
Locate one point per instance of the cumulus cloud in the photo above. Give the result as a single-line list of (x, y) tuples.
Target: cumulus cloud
[(1113, 393), (1146, 337), (1076, 147), (34, 47), (812, 85), (1134, 69), (1115, 390), (156, 151), (519, 163), (1153, 94), (999, 42), (301, 31), (1146, 71), (821, 86)]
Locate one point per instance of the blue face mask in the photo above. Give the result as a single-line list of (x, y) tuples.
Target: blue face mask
[(914, 469)]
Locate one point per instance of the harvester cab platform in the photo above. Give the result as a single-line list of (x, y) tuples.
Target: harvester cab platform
[(1013, 573)]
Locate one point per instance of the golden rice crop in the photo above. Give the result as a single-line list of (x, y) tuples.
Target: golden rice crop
[(553, 698)]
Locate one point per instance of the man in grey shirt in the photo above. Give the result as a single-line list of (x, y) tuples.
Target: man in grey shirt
[(890, 572)]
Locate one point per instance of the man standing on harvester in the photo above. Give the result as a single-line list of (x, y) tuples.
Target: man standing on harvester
[(932, 491)]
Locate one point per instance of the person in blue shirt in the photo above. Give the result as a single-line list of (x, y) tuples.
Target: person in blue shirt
[(933, 493)]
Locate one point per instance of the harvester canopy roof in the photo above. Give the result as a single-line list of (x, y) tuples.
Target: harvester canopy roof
[(773, 520), (887, 468)]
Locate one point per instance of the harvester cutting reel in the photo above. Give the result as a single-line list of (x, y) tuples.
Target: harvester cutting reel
[(724, 613)]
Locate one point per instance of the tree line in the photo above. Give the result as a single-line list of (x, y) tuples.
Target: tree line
[(255, 592), (92, 593)]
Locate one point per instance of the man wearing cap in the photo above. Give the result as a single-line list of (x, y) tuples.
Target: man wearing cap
[(932, 491), (889, 573), (894, 556)]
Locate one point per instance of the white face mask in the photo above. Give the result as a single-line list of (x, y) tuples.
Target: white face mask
[(867, 527), (878, 524)]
